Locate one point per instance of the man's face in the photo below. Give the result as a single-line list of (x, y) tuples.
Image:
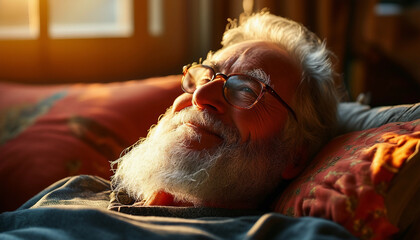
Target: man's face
[(267, 118), (205, 151)]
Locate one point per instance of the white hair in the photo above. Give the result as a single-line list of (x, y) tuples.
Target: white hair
[(316, 98)]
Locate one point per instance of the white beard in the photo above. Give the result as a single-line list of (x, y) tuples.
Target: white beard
[(230, 172)]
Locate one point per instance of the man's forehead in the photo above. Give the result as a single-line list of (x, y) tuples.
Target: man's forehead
[(258, 73), (251, 58), (261, 59)]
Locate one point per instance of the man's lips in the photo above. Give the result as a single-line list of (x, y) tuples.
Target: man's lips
[(206, 130), (208, 138)]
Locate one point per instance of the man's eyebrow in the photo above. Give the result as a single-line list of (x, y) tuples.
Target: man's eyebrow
[(260, 75), (256, 73), (212, 64)]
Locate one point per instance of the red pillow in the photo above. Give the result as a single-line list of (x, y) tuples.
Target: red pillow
[(349, 179), (51, 132)]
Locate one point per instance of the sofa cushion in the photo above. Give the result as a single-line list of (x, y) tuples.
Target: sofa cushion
[(50, 132), (351, 181)]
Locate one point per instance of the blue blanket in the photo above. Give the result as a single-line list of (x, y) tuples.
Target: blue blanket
[(78, 208)]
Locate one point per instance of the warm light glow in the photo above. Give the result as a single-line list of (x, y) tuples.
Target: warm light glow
[(33, 13), (19, 19), (90, 19), (248, 6), (155, 17)]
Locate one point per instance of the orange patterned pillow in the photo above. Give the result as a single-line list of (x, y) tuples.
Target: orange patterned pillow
[(348, 180)]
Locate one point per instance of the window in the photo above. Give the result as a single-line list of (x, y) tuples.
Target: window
[(90, 19), (19, 19)]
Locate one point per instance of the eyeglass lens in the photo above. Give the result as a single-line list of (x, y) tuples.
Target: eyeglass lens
[(242, 91), (196, 76), (239, 90)]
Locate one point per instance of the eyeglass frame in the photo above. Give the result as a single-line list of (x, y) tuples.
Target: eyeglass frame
[(265, 87)]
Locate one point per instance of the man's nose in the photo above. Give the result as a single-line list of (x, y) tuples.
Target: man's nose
[(210, 96)]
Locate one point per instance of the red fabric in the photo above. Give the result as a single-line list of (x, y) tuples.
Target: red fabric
[(348, 179), (162, 198), (51, 132)]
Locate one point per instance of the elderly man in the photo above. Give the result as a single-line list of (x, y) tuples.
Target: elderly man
[(252, 115)]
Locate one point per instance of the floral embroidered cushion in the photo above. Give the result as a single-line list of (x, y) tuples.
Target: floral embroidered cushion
[(348, 181)]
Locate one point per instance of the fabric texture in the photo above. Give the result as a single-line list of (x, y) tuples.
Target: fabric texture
[(50, 132), (353, 116), (349, 179), (402, 199), (76, 208)]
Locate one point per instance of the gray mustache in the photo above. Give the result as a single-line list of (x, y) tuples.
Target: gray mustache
[(208, 121)]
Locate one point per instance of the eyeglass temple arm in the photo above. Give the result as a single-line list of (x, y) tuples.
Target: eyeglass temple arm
[(272, 92), (185, 69)]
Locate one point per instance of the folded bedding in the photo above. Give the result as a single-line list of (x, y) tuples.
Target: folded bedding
[(78, 208)]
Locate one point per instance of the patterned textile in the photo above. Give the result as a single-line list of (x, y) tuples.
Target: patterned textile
[(349, 178), (50, 132)]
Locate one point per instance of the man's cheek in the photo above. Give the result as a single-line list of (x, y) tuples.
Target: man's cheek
[(182, 102)]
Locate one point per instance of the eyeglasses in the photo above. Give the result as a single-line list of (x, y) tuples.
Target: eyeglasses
[(240, 91)]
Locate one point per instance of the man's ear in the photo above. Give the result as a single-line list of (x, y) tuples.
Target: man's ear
[(294, 168)]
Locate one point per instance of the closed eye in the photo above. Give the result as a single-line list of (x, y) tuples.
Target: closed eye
[(246, 89)]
